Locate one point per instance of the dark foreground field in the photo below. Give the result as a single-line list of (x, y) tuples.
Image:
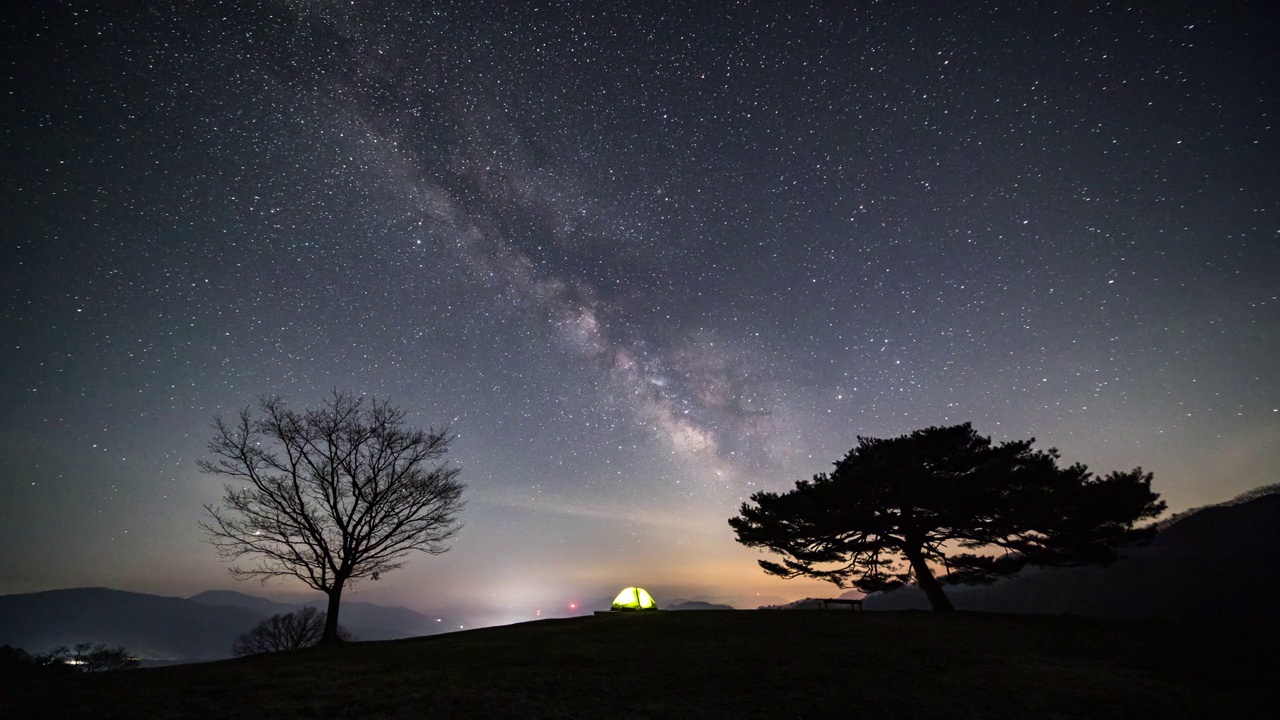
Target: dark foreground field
[(794, 664)]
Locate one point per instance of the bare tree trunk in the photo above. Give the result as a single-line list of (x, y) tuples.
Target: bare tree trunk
[(331, 619), (928, 583)]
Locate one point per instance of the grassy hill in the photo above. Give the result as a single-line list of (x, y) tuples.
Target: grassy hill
[(714, 664)]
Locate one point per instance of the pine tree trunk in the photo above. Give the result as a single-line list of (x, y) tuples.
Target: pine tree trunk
[(929, 584), (331, 619)]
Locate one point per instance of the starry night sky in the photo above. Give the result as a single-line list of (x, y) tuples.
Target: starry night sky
[(643, 258)]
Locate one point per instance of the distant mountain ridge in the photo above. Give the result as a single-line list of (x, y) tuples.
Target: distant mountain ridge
[(151, 627), (231, 598), (367, 621), (157, 628), (697, 605)]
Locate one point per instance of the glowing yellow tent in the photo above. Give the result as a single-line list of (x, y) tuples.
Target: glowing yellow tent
[(634, 598)]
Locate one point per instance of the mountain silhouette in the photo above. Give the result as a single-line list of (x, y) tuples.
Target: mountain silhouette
[(156, 628), (231, 598), (367, 621), (697, 605), (151, 627)]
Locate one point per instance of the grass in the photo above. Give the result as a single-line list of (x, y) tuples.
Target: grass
[(713, 664)]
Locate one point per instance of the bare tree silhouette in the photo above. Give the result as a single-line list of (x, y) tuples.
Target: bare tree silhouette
[(299, 629), (330, 496)]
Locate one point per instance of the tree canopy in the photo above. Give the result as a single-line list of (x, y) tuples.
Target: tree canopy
[(894, 509), (330, 496)]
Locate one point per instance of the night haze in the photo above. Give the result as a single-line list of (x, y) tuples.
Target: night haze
[(643, 259)]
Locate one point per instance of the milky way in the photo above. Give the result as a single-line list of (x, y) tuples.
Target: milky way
[(644, 260)]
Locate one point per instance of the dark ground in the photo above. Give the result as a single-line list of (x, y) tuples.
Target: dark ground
[(715, 664)]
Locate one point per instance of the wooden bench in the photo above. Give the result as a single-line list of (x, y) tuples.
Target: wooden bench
[(853, 604)]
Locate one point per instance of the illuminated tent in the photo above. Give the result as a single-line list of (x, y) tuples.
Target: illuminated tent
[(634, 598)]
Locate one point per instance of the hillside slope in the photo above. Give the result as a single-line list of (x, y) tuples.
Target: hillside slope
[(715, 664), (1216, 562)]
